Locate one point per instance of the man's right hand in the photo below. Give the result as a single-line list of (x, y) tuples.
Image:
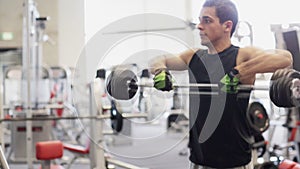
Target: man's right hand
[(163, 81)]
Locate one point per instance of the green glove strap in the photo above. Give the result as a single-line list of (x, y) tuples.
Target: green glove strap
[(160, 80), (163, 81), (230, 84), (227, 80), (230, 89)]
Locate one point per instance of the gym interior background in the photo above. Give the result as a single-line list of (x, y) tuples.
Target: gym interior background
[(72, 24)]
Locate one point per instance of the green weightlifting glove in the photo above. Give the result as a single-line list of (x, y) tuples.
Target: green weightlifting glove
[(230, 82), (163, 81)]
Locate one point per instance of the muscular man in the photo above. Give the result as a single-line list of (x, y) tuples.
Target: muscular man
[(219, 137)]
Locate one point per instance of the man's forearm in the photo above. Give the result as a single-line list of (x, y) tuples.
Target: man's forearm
[(157, 64), (267, 62)]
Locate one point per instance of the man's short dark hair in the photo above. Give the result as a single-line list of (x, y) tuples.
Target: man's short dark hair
[(225, 10)]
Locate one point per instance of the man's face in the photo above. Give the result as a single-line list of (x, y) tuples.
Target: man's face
[(210, 28)]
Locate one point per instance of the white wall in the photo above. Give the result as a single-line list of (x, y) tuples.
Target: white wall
[(11, 21), (104, 13), (71, 31)]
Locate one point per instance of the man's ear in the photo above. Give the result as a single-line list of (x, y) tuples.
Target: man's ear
[(228, 25)]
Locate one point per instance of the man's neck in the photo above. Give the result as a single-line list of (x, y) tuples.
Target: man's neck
[(217, 48)]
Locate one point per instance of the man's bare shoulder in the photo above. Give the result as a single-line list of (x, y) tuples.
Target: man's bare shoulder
[(245, 53), (188, 54)]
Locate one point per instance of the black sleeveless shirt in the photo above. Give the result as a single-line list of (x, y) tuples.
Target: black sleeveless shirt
[(220, 135)]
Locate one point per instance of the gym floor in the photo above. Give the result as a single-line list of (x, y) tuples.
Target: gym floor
[(148, 146), (161, 151)]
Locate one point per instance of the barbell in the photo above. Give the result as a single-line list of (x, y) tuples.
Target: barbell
[(123, 85), (115, 116)]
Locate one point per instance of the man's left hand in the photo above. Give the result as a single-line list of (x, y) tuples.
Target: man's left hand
[(230, 82)]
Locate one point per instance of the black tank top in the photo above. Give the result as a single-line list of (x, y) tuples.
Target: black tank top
[(220, 135)]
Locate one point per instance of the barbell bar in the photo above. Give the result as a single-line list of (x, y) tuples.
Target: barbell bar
[(123, 85), (116, 120), (208, 89), (126, 91), (99, 117), (115, 116), (204, 86)]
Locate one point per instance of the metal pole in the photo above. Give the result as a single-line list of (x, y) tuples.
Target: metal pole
[(28, 58), (4, 163), (97, 151), (2, 143)]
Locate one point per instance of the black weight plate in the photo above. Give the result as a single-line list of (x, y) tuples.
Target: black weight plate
[(121, 84), (257, 118)]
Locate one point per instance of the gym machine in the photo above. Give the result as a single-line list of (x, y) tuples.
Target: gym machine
[(96, 150), (31, 75)]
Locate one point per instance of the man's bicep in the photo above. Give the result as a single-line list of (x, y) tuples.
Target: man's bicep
[(247, 53), (169, 61)]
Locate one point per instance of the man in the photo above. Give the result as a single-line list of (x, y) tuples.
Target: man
[(219, 137)]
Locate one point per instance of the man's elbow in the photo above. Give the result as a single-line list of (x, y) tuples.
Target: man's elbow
[(288, 59)]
